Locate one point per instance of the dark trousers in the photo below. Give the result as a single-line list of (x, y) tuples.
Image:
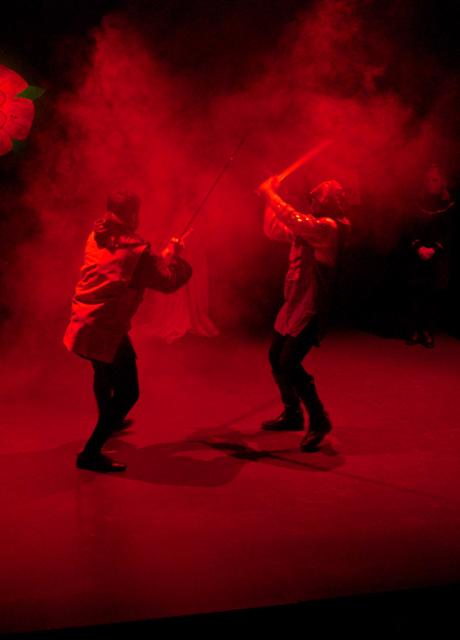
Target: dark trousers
[(295, 384), (423, 303), (116, 388)]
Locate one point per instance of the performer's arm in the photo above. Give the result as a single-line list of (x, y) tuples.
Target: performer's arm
[(274, 228), (161, 274), (304, 225)]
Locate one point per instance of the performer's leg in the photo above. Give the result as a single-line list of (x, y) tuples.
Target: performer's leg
[(413, 316), (92, 457), (102, 387), (125, 383), (428, 308), (287, 391), (294, 351), (319, 423), (291, 419), (103, 391)]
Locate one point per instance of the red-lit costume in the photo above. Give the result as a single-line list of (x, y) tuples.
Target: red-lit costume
[(312, 259), (118, 267), (111, 288), (315, 241)]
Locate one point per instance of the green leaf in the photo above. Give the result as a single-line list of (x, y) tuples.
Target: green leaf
[(19, 145), (32, 93)]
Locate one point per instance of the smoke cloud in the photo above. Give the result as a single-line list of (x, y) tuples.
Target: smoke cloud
[(145, 119)]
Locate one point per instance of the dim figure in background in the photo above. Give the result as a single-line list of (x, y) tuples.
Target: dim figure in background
[(118, 267), (316, 239), (428, 257)]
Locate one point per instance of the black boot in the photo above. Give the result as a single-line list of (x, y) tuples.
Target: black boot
[(320, 423), (413, 339), (427, 339), (98, 461), (320, 426), (289, 420)]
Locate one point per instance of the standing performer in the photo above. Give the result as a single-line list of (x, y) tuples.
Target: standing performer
[(429, 257), (316, 239), (118, 267)]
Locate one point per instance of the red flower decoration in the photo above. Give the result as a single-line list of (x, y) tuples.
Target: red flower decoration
[(16, 114)]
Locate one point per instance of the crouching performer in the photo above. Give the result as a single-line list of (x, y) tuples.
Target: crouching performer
[(118, 267), (316, 239)]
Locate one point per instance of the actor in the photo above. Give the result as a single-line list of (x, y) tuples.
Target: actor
[(118, 267), (316, 239), (428, 257)]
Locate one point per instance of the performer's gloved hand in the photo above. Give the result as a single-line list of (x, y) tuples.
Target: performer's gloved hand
[(270, 185), (426, 253), (173, 248)]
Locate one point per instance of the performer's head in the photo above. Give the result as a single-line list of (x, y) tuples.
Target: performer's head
[(328, 199), (125, 206), (435, 182)]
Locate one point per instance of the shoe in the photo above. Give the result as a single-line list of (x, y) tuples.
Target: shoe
[(286, 421), (318, 430), (413, 339), (427, 340), (99, 462)]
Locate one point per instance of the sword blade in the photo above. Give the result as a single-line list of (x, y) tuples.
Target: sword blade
[(304, 159)]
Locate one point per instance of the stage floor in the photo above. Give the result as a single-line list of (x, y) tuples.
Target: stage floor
[(214, 514)]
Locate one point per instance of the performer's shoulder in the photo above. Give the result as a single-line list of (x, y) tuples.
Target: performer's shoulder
[(328, 223), (90, 241)]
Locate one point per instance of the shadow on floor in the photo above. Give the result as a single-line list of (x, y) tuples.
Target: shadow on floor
[(207, 458), (214, 457)]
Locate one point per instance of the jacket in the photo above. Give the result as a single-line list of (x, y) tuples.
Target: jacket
[(111, 287)]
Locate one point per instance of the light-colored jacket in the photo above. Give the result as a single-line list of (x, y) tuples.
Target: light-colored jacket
[(111, 287), (312, 258)]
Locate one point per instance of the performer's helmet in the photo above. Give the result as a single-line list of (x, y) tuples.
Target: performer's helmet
[(330, 200), (125, 205)]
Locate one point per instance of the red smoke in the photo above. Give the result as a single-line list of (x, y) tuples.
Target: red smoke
[(132, 121)]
